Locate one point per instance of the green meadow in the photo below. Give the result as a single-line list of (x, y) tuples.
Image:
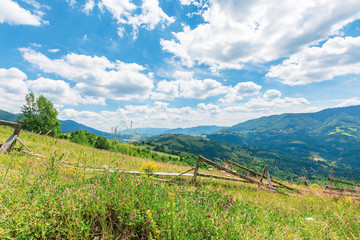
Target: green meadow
[(57, 197)]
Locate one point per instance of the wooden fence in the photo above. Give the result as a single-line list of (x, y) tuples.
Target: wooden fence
[(241, 176), (9, 144), (342, 191)]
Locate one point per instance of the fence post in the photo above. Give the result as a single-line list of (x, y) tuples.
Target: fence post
[(331, 177), (196, 169)]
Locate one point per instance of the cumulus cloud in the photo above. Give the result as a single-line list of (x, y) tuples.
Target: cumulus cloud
[(241, 90), (12, 13), (60, 92), (272, 94), (237, 32), (185, 85), (96, 76), (88, 7), (12, 89), (163, 114), (338, 56), (125, 13), (349, 102)]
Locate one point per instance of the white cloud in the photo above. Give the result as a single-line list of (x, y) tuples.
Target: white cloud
[(97, 76), (88, 7), (71, 2), (54, 50), (241, 90), (336, 57), (12, 89), (60, 93), (151, 16), (349, 102), (272, 94), (12, 13), (237, 32), (162, 114), (125, 13), (185, 85)]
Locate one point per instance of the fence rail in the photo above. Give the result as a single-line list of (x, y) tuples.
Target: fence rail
[(342, 191)]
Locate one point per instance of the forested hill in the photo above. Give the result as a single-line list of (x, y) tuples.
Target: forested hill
[(331, 135), (281, 165)]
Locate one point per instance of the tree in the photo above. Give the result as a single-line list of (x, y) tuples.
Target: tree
[(39, 115)]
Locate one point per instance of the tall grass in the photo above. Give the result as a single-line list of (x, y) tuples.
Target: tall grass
[(40, 198)]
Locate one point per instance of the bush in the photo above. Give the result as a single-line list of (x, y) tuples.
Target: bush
[(148, 167)]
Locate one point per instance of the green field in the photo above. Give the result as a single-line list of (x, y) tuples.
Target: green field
[(41, 198)]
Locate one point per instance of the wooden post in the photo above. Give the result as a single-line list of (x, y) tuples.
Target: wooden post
[(196, 169), (258, 174), (18, 128), (268, 178), (7, 145), (219, 167), (331, 177), (263, 173)]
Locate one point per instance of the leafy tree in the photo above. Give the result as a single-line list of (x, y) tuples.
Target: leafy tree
[(39, 115), (102, 143), (80, 137)]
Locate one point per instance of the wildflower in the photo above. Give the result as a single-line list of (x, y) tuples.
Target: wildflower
[(111, 192), (205, 229), (196, 229), (133, 217), (157, 216), (180, 213), (148, 222), (326, 232), (247, 203), (207, 215), (110, 182)]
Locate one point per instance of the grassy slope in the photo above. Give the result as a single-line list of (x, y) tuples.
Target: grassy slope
[(40, 198)]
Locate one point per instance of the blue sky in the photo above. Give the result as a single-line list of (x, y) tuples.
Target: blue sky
[(179, 63)]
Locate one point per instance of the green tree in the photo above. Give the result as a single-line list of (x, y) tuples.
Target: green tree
[(102, 143), (39, 115)]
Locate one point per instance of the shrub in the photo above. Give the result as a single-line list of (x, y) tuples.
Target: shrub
[(148, 167)]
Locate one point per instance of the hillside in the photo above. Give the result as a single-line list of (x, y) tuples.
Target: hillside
[(4, 115), (281, 165), (57, 197), (331, 135)]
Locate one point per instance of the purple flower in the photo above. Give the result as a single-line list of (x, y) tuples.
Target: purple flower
[(133, 217), (149, 222), (179, 213), (111, 192), (205, 229), (326, 232), (207, 215), (196, 229), (110, 182)]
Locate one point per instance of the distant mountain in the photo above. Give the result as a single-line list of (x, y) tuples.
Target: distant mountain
[(281, 165), (189, 131), (330, 135), (4, 115), (72, 126), (66, 125)]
